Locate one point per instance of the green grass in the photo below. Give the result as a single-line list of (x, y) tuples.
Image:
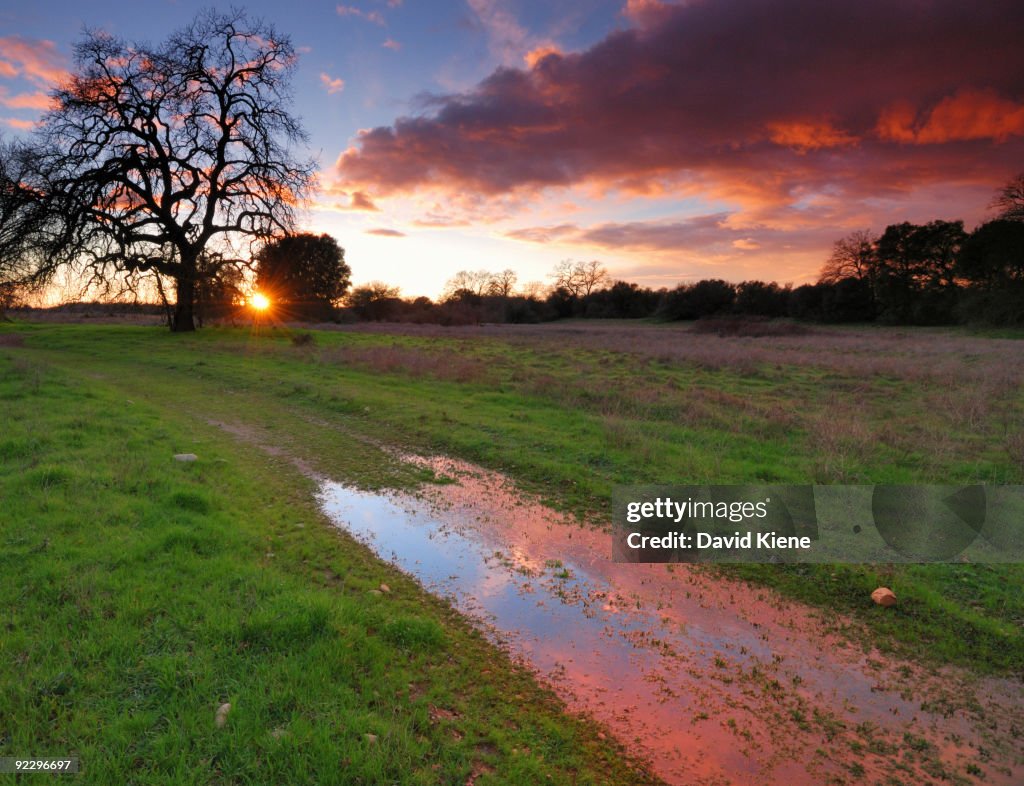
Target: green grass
[(570, 420), (139, 594)]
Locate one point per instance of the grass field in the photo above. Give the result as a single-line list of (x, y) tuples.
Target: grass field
[(129, 577), (140, 594)]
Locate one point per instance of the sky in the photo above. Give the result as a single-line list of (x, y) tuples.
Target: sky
[(672, 141)]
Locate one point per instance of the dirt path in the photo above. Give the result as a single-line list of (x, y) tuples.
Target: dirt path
[(713, 681)]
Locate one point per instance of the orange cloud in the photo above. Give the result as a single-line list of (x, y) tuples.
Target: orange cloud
[(645, 12), (22, 125), (37, 60), (40, 101), (537, 54), (802, 120), (968, 115), (809, 135)]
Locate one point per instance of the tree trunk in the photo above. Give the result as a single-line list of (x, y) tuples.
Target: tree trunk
[(185, 289)]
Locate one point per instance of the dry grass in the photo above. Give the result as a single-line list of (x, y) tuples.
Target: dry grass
[(11, 340), (928, 401), (911, 354), (414, 362)]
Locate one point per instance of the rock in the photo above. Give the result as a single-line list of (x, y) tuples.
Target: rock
[(185, 457), (370, 738), (222, 714), (884, 596), (385, 588)]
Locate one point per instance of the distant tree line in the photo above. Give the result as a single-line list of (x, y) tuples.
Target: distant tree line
[(911, 274)]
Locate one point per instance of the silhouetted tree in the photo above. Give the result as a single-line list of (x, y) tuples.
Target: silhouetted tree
[(622, 300), (502, 284), (305, 273), (1010, 200), (915, 277), (852, 257), (992, 262), (561, 301), (806, 302), (702, 299), (760, 299), (467, 284), (165, 152), (374, 301), (993, 254), (579, 278), (29, 223)]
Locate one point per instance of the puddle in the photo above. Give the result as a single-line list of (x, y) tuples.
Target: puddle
[(712, 681)]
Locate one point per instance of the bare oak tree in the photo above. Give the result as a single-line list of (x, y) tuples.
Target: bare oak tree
[(165, 154), (1010, 200), (852, 257), (26, 222), (580, 278), (502, 284)]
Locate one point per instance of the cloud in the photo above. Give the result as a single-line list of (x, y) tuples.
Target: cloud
[(369, 16), (37, 60), (538, 53), (544, 234), (440, 222), (361, 201), (21, 125), (708, 236), (507, 39), (764, 105), (803, 136), (333, 85), (38, 100), (392, 44), (383, 232), (967, 115)]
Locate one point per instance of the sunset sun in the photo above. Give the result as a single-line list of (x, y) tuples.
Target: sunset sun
[(259, 301)]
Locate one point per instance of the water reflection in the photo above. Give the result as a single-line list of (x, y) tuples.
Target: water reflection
[(712, 681)]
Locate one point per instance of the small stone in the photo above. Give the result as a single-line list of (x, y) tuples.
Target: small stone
[(370, 738), (222, 714), (185, 457), (385, 588), (884, 596)]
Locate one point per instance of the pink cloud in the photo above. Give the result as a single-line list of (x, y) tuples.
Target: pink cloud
[(37, 60), (361, 201), (332, 85), (21, 125), (369, 16), (829, 103), (39, 101), (383, 232), (392, 44)]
